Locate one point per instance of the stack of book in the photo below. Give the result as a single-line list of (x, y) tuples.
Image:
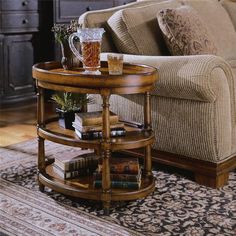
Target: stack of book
[(69, 164), (124, 173), (88, 125)]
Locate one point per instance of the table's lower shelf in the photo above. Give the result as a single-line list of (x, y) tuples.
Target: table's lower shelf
[(83, 187)]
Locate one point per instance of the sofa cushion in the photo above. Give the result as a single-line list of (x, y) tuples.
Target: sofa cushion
[(230, 7), (218, 21), (135, 30), (184, 32)]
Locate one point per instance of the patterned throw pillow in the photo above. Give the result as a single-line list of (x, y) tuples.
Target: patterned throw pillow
[(185, 32)]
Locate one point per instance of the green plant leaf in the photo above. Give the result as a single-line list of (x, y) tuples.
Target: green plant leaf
[(71, 101)]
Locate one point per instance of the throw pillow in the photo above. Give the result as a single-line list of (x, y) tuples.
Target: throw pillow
[(185, 32), (134, 30)]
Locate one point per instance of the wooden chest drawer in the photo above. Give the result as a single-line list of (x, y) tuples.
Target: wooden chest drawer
[(19, 22), (18, 5), (72, 9)]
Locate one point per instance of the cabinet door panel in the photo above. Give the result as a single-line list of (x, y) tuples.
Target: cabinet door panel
[(19, 52), (72, 9)]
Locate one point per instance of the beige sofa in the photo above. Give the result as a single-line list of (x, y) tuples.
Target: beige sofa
[(194, 101)]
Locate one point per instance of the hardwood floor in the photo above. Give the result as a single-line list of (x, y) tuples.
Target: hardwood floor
[(18, 124)]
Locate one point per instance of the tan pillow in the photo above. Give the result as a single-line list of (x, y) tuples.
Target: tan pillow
[(184, 32), (134, 30)]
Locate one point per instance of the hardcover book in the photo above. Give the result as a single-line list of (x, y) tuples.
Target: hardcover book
[(119, 177), (93, 118), (70, 161), (69, 174), (98, 134), (92, 128), (119, 184), (122, 165)]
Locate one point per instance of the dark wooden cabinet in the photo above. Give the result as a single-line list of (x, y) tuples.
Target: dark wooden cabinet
[(18, 24)]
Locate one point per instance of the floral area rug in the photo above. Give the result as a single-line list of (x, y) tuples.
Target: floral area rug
[(177, 207)]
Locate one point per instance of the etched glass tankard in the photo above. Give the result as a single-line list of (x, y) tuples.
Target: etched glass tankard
[(90, 44)]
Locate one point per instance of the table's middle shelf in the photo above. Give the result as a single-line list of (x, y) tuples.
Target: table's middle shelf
[(134, 137)]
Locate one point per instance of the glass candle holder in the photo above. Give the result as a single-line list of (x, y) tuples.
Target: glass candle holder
[(115, 63)]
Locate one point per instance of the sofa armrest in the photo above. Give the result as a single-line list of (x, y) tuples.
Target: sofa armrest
[(187, 77)]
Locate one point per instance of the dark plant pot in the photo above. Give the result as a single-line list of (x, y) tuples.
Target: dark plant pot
[(66, 118)]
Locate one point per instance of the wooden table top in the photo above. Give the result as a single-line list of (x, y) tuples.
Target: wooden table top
[(135, 78)]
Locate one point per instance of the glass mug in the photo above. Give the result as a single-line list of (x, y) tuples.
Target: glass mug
[(90, 44)]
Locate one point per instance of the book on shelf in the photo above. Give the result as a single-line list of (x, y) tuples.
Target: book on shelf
[(98, 134), (74, 160), (119, 184), (70, 174), (119, 177), (124, 165), (93, 118), (94, 128)]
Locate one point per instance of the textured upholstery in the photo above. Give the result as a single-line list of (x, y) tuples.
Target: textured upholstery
[(194, 101), (186, 74), (233, 66)]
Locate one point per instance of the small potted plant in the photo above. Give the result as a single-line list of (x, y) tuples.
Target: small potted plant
[(62, 33), (68, 105)]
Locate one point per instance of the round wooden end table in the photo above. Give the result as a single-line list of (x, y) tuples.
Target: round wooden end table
[(135, 79)]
